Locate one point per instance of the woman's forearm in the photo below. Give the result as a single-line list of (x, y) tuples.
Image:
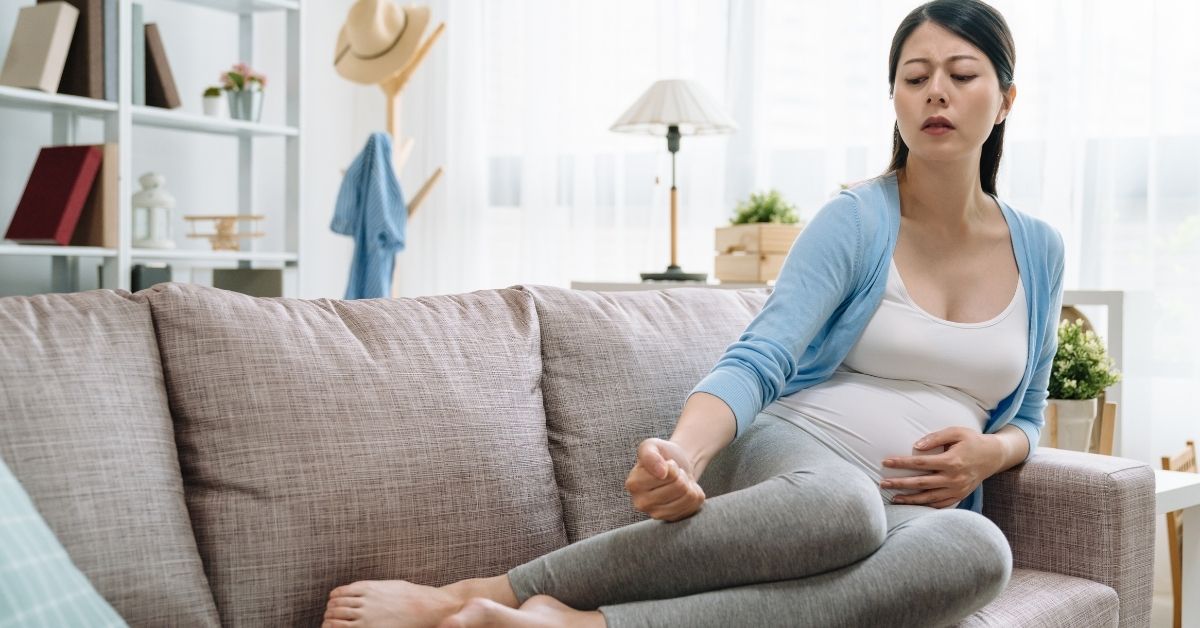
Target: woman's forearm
[(1014, 446), (706, 425)]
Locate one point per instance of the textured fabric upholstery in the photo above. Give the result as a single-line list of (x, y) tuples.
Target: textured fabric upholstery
[(324, 442), (616, 370), (1040, 599), (84, 426), (1081, 515)]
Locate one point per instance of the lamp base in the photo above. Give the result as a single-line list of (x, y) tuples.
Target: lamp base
[(674, 273)]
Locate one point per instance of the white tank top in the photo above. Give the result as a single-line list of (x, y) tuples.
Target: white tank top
[(909, 374)]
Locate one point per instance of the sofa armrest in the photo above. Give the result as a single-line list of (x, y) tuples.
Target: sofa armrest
[(1083, 515)]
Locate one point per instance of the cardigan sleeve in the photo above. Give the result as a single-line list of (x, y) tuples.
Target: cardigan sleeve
[(1030, 417), (816, 278)]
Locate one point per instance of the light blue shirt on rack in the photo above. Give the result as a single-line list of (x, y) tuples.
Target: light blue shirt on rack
[(371, 208), (831, 283)]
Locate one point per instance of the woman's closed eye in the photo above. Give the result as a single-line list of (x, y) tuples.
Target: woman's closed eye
[(962, 78)]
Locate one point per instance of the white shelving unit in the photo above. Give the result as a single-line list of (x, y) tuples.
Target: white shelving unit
[(119, 119)]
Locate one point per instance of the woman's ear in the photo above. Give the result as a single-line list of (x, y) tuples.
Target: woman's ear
[(1008, 98)]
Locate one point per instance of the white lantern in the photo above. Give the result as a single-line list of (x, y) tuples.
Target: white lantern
[(152, 214)]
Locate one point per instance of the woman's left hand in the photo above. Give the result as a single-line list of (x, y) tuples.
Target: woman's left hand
[(969, 459)]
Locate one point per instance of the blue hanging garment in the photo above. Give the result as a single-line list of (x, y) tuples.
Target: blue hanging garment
[(371, 208)]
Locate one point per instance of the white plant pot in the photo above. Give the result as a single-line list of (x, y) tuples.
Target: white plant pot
[(214, 106), (1075, 420)]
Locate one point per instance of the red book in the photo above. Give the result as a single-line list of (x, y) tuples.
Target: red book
[(54, 195)]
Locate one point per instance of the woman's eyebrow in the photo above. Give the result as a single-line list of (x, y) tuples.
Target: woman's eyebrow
[(948, 59)]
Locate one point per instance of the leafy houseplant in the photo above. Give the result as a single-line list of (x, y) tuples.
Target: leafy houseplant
[(1082, 368), (765, 207), (212, 101), (245, 89), (1081, 371)]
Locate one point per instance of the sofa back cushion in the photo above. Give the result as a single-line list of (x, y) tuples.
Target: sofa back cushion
[(324, 442), (617, 367), (84, 426)]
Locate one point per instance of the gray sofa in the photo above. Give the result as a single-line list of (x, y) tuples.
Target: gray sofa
[(209, 458)]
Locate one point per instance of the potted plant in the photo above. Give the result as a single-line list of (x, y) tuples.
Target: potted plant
[(761, 232), (212, 101), (1081, 371), (245, 88)]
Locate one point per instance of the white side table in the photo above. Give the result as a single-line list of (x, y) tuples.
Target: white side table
[(1175, 490)]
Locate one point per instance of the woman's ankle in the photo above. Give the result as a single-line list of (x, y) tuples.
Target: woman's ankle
[(496, 589)]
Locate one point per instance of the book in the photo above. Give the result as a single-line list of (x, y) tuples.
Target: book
[(83, 73), (111, 61), (160, 83), (139, 56), (97, 224), (54, 195), (39, 46)]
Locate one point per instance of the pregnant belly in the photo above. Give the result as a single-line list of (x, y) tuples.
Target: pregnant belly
[(866, 418)]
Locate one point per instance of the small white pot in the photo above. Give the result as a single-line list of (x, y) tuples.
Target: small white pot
[(1075, 420), (214, 106)]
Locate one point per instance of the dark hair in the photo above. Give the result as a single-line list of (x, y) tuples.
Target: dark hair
[(984, 28)]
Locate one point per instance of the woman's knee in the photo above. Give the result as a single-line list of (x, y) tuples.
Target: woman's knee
[(985, 553), (850, 505)]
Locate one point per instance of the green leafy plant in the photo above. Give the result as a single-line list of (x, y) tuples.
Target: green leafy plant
[(1082, 368), (210, 92), (765, 207)]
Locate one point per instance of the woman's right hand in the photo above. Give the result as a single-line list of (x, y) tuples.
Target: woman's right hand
[(662, 482)]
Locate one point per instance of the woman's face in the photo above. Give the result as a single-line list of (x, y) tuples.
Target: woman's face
[(942, 75)]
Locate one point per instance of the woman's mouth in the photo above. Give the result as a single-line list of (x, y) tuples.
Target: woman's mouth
[(937, 125)]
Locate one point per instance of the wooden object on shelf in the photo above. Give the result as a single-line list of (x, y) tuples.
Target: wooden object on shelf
[(1183, 461), (227, 236), (753, 252), (160, 82), (39, 46), (99, 220), (55, 194), (402, 148), (83, 72)]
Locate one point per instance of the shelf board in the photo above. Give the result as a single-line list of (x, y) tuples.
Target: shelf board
[(246, 6), (12, 248), (202, 257), (21, 98), (169, 119)]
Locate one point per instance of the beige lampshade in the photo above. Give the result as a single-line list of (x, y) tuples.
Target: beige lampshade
[(675, 102)]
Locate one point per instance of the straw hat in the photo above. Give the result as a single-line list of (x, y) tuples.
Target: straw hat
[(378, 39)]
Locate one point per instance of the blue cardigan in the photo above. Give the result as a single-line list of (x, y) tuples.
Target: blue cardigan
[(831, 283)]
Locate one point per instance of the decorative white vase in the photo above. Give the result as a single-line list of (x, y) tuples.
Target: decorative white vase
[(1075, 420), (213, 106)]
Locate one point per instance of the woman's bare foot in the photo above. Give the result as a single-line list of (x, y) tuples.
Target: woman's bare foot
[(539, 611), (402, 604), (389, 604)]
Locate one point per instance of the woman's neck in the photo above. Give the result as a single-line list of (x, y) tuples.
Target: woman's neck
[(944, 195)]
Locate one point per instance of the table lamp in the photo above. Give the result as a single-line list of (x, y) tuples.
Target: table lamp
[(674, 108)]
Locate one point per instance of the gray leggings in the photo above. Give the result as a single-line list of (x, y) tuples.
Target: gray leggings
[(790, 535)]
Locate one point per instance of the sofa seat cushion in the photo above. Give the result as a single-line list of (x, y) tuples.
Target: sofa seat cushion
[(1036, 599), (324, 442), (85, 428), (617, 369)]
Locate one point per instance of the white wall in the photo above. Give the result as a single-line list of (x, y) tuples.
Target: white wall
[(202, 170)]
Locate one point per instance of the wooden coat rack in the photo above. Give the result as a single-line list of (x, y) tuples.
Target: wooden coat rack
[(402, 149)]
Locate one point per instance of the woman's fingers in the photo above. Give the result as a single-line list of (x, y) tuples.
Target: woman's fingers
[(684, 506)]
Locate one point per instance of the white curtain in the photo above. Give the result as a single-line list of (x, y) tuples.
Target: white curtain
[(1102, 143)]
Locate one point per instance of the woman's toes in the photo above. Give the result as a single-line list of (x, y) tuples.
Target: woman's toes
[(346, 602), (355, 589), (335, 623), (343, 612)]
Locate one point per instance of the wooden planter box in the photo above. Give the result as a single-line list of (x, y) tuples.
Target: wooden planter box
[(753, 253)]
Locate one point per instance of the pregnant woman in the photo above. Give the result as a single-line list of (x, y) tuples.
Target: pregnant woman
[(828, 470)]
